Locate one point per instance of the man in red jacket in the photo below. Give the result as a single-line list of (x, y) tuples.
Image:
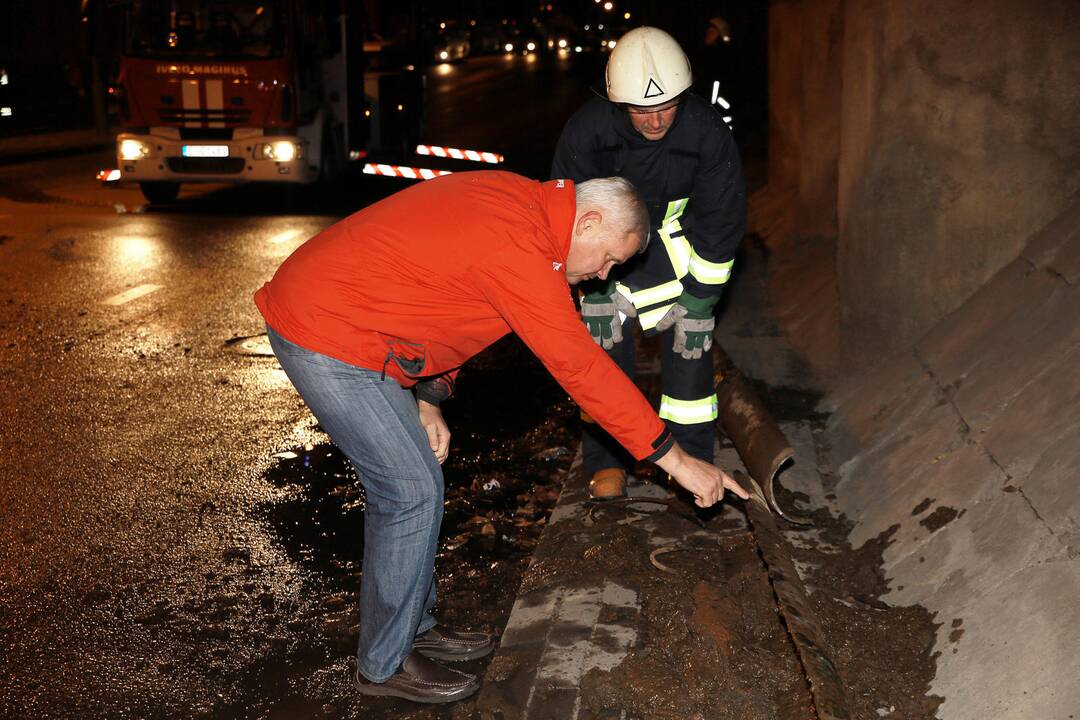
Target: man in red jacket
[(371, 320)]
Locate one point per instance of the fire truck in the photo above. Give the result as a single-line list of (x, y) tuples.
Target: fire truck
[(238, 91)]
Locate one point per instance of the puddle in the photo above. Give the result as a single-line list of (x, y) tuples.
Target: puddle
[(322, 525)]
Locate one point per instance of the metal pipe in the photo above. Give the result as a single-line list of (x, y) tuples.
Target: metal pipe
[(762, 446), (830, 698)]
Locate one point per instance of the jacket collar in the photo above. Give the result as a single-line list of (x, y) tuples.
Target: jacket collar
[(560, 206)]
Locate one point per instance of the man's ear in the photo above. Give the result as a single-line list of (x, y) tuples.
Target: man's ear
[(589, 220)]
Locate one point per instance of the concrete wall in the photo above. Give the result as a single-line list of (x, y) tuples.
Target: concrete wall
[(955, 136), (819, 146), (956, 426), (968, 446), (785, 94)]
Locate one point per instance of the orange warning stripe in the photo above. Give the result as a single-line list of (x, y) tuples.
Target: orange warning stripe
[(457, 154), (403, 171)]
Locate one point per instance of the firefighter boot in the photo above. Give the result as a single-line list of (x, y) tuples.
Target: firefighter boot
[(608, 484)]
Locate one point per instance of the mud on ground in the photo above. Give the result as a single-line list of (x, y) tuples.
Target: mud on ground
[(711, 642)]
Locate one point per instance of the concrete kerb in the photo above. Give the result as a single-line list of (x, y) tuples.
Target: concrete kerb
[(563, 625), (550, 640)]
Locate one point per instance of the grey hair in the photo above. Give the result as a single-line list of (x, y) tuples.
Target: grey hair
[(620, 204)]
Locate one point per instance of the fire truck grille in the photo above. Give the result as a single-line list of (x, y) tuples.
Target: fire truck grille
[(229, 116), (206, 166)]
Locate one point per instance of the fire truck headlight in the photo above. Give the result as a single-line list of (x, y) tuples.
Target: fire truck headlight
[(280, 151), (133, 149)]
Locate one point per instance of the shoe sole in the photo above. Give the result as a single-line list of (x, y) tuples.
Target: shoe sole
[(456, 656), (381, 690)]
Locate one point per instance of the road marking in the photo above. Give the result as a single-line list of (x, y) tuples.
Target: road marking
[(133, 294)]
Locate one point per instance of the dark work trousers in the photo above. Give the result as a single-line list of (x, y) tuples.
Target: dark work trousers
[(680, 379)]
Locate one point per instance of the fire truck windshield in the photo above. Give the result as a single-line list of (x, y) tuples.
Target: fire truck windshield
[(228, 29)]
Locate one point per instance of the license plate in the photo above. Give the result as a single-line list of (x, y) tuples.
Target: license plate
[(212, 151)]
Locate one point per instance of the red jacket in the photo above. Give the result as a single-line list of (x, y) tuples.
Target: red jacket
[(420, 282)]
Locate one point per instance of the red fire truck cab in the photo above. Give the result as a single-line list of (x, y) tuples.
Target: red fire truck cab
[(236, 91)]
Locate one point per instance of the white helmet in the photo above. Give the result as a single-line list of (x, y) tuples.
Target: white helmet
[(647, 67)]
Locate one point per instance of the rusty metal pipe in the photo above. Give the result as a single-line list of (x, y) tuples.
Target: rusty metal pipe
[(762, 446), (826, 688)]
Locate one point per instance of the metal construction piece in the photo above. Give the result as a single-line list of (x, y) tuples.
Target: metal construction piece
[(659, 565), (757, 438), (251, 345), (826, 688)]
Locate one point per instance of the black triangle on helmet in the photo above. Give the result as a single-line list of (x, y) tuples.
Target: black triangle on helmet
[(653, 90)]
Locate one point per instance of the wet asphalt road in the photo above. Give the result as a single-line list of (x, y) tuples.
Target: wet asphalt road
[(138, 577)]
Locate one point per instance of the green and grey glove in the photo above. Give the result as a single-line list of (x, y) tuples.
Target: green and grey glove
[(692, 318), (600, 313)]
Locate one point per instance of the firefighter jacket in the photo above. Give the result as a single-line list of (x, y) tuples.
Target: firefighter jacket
[(415, 285), (691, 180)]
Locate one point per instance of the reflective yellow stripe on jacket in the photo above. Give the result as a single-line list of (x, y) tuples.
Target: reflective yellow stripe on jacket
[(684, 261), (678, 247), (709, 273), (688, 412)]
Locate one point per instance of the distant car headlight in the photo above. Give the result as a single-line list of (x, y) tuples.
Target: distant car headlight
[(509, 47), (280, 151), (134, 149), (3, 77), (531, 46), (444, 55)]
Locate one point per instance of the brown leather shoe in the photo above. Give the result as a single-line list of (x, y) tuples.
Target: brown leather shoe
[(422, 680), (445, 644), (608, 484)]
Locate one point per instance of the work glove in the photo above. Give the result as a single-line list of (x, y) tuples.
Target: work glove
[(693, 321), (600, 313)]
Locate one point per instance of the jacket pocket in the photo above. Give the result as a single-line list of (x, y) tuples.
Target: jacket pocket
[(409, 356)]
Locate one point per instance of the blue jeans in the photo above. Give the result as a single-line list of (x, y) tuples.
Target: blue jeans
[(376, 424)]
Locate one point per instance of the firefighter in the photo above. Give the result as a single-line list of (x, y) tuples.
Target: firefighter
[(371, 320), (678, 152)]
